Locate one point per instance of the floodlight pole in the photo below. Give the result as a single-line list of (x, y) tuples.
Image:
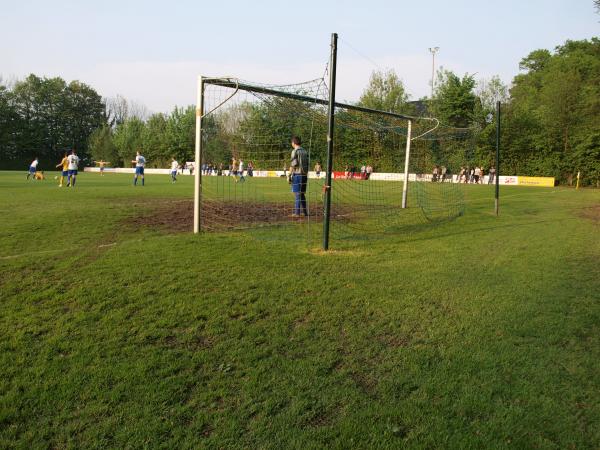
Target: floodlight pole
[(497, 195), (433, 51), (330, 132), (406, 161), (198, 155)]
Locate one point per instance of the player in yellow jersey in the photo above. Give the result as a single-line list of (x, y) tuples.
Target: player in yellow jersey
[(65, 169)]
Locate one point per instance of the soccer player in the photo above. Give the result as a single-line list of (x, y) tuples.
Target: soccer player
[(139, 162), (33, 168), (241, 171), (64, 166), (174, 167), (491, 175), (73, 163), (299, 176), (101, 164), (318, 169), (234, 168)]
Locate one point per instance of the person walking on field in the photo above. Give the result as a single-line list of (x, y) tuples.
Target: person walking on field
[(64, 166), (73, 160), (174, 167), (240, 171), (492, 175), (33, 168), (299, 177), (318, 169), (476, 174), (140, 163)]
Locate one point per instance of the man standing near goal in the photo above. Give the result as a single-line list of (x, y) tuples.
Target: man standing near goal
[(139, 162), (299, 176)]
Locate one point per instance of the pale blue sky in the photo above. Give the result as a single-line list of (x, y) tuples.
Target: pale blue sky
[(152, 51)]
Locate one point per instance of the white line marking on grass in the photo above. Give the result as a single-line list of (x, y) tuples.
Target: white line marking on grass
[(515, 195), (112, 244), (107, 245)]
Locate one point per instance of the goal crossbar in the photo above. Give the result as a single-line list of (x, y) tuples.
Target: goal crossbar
[(231, 83)]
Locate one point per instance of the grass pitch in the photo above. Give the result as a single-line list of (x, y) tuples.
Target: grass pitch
[(483, 332)]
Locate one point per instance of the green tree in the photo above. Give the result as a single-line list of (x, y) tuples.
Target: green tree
[(180, 133), (385, 92), (454, 100), (102, 147), (49, 116), (128, 139), (554, 108), (154, 141), (10, 123)]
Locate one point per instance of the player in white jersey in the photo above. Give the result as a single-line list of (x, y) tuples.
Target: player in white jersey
[(32, 168), (73, 161), (174, 167), (240, 171), (139, 162)]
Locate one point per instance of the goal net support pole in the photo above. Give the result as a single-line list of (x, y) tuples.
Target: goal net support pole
[(497, 190), (198, 155), (406, 162), (330, 130)]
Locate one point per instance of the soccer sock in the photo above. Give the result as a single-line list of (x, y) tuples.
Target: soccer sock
[(143, 181), (62, 179), (74, 178), (134, 181), (69, 180)]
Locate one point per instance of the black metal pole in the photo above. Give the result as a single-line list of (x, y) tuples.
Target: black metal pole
[(330, 131), (497, 196), (234, 84)]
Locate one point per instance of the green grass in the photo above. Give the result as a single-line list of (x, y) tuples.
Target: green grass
[(483, 332)]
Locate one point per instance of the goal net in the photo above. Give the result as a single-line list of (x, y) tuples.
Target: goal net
[(245, 159)]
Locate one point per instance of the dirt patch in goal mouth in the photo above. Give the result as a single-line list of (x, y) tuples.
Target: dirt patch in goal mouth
[(178, 215), (592, 213)]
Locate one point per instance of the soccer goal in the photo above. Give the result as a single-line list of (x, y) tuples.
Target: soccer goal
[(363, 176)]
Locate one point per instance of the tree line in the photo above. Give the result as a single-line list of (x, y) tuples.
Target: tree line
[(550, 123)]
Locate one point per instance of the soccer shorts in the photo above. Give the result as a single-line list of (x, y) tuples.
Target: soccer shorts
[(32, 169), (72, 172), (139, 171)]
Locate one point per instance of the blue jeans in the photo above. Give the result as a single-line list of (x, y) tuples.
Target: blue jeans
[(299, 188)]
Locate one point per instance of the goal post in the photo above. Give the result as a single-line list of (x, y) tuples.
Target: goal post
[(371, 158), (198, 154)]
